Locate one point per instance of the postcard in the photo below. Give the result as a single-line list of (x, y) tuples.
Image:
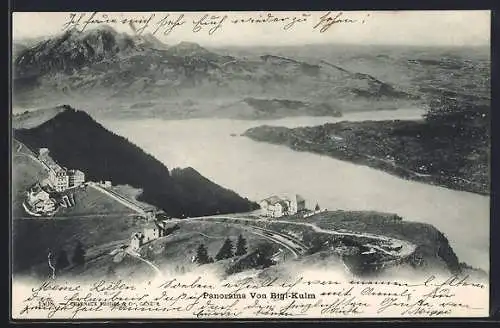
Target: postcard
[(247, 165)]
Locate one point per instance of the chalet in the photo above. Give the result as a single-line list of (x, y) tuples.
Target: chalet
[(152, 231), (272, 206), (276, 207), (39, 200)]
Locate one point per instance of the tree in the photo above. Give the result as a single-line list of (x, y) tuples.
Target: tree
[(317, 207), (264, 255), (62, 260), (79, 254), (202, 255), (241, 246), (226, 251)]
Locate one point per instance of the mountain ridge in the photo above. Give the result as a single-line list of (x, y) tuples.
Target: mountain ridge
[(104, 65)]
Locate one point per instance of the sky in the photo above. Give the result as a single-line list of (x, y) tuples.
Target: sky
[(431, 28)]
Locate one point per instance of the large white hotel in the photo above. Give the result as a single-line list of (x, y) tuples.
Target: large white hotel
[(60, 178)]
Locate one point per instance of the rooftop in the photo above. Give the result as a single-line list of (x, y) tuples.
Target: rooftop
[(75, 171), (153, 225), (272, 200)]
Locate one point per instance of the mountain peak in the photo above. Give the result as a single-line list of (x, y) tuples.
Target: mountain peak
[(71, 50), (102, 29), (59, 114), (66, 112), (188, 45), (151, 41), (65, 107), (185, 48), (97, 30)]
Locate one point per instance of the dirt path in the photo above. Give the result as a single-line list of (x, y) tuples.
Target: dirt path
[(149, 263), (210, 237)]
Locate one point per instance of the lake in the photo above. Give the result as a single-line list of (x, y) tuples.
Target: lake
[(257, 170)]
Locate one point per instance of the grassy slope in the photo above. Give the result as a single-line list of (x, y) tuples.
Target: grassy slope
[(91, 201), (431, 244), (132, 194), (172, 254), (33, 238), (25, 172), (127, 268), (183, 243)]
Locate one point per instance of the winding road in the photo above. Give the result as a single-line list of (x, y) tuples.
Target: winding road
[(406, 249)]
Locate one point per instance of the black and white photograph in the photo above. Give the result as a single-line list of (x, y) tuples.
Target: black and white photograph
[(229, 165)]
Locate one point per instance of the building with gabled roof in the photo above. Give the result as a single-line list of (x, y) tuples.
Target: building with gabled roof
[(275, 206), (272, 200), (152, 231)]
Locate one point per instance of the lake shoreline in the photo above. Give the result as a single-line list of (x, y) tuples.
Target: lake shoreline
[(257, 170), (373, 162)]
